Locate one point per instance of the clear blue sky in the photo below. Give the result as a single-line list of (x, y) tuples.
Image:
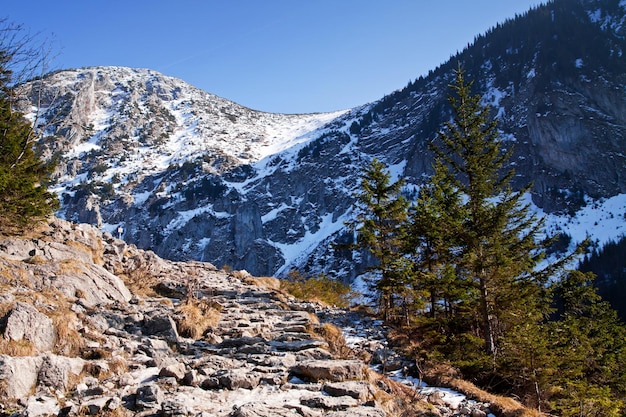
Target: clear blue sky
[(287, 56)]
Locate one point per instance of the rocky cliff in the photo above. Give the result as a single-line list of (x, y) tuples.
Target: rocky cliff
[(193, 176), (92, 326)]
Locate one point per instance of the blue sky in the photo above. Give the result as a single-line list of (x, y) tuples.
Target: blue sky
[(287, 56)]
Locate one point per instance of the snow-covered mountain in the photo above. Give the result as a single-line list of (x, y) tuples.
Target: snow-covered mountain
[(194, 176)]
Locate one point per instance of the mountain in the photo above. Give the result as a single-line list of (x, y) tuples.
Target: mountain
[(193, 176)]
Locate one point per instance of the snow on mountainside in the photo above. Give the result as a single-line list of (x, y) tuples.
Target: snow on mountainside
[(193, 176), (177, 122)]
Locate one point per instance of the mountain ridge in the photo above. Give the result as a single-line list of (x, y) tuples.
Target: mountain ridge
[(269, 210)]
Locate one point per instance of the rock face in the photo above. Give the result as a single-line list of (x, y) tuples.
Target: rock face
[(192, 176), (25, 322), (131, 353)]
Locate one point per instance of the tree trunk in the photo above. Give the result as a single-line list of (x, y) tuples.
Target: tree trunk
[(490, 346)]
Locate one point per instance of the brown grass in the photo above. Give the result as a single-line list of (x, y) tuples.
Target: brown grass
[(13, 274), (17, 347), (68, 341), (194, 317), (95, 252), (336, 342), (399, 399), (36, 260), (444, 375), (141, 282), (270, 283)]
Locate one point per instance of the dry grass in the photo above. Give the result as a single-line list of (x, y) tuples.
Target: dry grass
[(333, 335), (36, 260), (96, 252), (398, 399), (194, 317), (17, 347), (56, 306), (114, 366), (270, 283), (12, 274), (71, 267), (68, 341), (141, 282), (444, 375)]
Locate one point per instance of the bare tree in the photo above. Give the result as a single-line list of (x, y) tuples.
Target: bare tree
[(23, 57)]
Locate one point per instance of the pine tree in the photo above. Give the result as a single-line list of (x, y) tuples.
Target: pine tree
[(432, 238), (498, 236), (589, 343), (382, 212), (23, 195)]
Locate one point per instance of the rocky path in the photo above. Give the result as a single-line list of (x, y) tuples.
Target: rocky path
[(116, 351)]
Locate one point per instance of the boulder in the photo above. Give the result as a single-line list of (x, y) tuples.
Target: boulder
[(263, 410), (94, 284), (238, 378), (56, 371), (330, 403), (41, 406), (149, 397), (175, 370), (19, 375), (174, 408), (359, 390), (329, 370), (162, 326), (25, 322)]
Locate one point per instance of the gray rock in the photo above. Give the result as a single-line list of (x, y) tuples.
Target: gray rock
[(25, 322), (174, 408), (233, 379), (95, 285), (175, 370), (149, 397), (55, 371), (162, 326), (329, 370), (263, 410), (359, 390), (478, 413), (95, 406), (330, 403), (191, 379), (19, 375), (298, 345), (41, 405), (358, 412)]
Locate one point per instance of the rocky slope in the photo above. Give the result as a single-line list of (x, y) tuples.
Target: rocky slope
[(193, 176), (93, 326)]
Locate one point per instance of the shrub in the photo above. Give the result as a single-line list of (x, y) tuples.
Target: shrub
[(194, 317), (320, 289)]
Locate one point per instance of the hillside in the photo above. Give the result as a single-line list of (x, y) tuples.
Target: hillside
[(93, 326), (193, 176)]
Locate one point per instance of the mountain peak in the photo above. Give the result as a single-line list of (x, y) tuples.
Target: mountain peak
[(193, 176)]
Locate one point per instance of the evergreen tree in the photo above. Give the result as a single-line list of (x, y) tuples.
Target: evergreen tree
[(589, 343), (23, 196), (379, 223), (432, 239), (497, 241)]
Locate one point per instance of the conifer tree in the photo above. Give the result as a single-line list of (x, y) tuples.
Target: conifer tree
[(382, 212), (23, 195), (498, 236), (435, 222), (590, 346)]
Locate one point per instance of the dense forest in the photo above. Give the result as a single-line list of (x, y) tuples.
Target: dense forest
[(459, 271), (608, 264)]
